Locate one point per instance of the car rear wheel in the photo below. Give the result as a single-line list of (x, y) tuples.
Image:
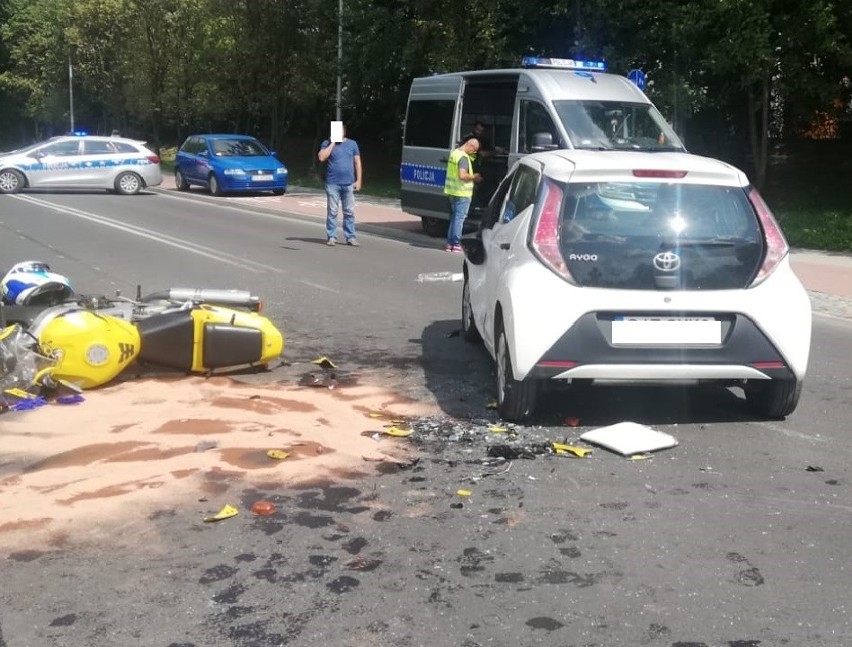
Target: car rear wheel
[(515, 399), (213, 183), (773, 398), (180, 181), (11, 181), (469, 330), (128, 183)]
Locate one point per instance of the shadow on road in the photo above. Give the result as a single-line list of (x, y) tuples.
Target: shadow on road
[(460, 376)]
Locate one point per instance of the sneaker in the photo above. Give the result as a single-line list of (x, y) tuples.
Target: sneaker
[(448, 248), (353, 243), (331, 242), (457, 248)]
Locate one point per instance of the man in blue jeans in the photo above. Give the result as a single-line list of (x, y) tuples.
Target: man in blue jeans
[(458, 187), (342, 179)]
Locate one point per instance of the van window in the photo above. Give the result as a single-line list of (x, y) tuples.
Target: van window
[(537, 132), (429, 123)]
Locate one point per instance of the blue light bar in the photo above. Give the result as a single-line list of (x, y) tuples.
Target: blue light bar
[(80, 133), (563, 63)]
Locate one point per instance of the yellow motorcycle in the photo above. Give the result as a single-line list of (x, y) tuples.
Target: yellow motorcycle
[(89, 341)]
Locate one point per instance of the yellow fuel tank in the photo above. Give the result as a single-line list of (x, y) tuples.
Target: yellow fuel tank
[(90, 349)]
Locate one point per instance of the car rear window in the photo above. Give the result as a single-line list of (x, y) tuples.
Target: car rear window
[(652, 235)]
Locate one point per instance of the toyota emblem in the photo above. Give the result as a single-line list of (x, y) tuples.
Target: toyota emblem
[(667, 261)]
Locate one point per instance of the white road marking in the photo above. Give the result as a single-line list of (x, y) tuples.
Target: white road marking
[(318, 286), (439, 277), (178, 243)]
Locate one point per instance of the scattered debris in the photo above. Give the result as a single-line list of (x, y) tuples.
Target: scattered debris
[(72, 398), (263, 508), (204, 445), (498, 429), (324, 362), (439, 277), (464, 493), (328, 375), (277, 454), (562, 448), (814, 468), (629, 438), (397, 432), (226, 512)]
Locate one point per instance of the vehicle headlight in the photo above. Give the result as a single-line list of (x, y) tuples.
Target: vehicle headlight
[(234, 171)]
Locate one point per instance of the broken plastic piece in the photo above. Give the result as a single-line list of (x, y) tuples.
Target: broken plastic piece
[(324, 362), (263, 508), (397, 432), (30, 403), (497, 429), (73, 398), (562, 448), (277, 454), (628, 438), (226, 512), (376, 414), (464, 492)]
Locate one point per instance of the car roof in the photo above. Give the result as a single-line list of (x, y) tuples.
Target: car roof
[(619, 166)]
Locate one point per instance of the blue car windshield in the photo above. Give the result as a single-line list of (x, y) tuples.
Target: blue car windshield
[(238, 148)]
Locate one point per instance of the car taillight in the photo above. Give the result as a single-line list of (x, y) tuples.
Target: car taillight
[(776, 244), (153, 159), (545, 236)]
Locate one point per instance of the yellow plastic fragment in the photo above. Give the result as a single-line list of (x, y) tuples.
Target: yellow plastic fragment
[(225, 513), (277, 454), (497, 429), (376, 414), (325, 362), (639, 457), (397, 432), (491, 405), (19, 393), (562, 448), (464, 492)]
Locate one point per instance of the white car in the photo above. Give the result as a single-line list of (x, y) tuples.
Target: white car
[(634, 267), (117, 164)]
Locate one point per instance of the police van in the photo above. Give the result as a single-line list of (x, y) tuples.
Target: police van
[(545, 104)]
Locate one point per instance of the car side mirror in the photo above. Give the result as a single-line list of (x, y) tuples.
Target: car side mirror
[(202, 153), (543, 142), (473, 248)]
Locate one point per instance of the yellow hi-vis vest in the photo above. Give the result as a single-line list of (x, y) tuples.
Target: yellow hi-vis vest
[(454, 185)]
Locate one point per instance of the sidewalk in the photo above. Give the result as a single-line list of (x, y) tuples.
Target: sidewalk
[(826, 275)]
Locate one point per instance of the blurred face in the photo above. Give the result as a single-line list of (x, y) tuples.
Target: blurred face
[(479, 130), (471, 146)]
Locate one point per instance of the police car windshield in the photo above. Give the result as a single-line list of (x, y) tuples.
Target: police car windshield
[(615, 125)]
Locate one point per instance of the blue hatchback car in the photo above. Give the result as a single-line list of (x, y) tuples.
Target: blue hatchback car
[(229, 163)]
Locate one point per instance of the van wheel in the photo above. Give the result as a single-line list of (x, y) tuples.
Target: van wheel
[(515, 400), (434, 227)]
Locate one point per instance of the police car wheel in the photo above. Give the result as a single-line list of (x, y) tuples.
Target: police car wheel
[(128, 183), (11, 181)]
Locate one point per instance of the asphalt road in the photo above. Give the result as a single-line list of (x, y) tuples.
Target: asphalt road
[(737, 537)]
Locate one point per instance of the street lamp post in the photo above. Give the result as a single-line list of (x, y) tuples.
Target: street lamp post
[(71, 90)]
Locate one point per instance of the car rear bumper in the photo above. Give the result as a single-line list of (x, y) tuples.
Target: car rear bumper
[(587, 350)]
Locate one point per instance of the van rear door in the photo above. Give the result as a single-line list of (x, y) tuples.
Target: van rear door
[(430, 121)]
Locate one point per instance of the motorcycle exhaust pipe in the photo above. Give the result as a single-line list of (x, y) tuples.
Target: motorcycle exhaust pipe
[(213, 296)]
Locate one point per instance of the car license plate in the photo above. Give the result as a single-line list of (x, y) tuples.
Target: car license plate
[(666, 331), (261, 178)]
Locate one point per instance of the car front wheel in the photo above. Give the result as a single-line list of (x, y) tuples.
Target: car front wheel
[(213, 183), (515, 399), (773, 398), (128, 183), (180, 181), (11, 181), (469, 330)]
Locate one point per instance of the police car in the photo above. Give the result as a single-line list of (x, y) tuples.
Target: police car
[(634, 267), (118, 164)]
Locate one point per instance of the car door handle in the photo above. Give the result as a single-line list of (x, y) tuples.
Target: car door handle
[(504, 245)]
